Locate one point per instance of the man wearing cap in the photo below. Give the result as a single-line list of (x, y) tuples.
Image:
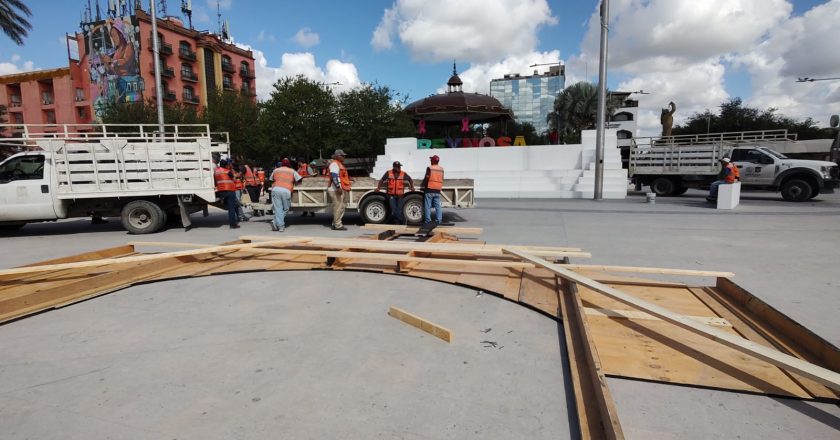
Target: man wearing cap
[(283, 182), (432, 184), (225, 191), (395, 179), (729, 174), (338, 188)]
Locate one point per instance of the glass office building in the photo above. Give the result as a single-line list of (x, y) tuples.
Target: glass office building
[(530, 97)]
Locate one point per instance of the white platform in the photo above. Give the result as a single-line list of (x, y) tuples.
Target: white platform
[(729, 195), (535, 171)]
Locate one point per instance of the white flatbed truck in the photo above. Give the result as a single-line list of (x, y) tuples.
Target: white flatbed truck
[(130, 171)]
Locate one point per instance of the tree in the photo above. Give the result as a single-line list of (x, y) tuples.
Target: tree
[(145, 112), (367, 116), (238, 115), (735, 117), (13, 20), (512, 129), (577, 107)]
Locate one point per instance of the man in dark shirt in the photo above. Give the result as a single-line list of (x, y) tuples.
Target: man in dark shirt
[(395, 180)]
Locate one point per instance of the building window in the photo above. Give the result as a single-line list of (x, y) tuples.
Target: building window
[(46, 97), (227, 65), (17, 118), (80, 94), (227, 82), (14, 101), (623, 134), (185, 48), (245, 68), (623, 116), (188, 93), (49, 117), (82, 112)]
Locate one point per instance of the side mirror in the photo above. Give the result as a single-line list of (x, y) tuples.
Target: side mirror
[(765, 160)]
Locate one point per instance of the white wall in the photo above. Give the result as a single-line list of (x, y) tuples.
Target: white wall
[(541, 171)]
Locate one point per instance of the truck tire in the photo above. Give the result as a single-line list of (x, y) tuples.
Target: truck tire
[(11, 227), (796, 190), (680, 190), (814, 193), (142, 217), (663, 186), (374, 210), (413, 209)]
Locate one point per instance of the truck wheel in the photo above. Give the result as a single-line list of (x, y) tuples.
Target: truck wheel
[(663, 186), (814, 193), (374, 210), (142, 217), (11, 227), (413, 209), (796, 190), (680, 190)]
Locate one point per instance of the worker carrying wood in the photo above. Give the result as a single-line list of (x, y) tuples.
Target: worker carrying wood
[(338, 189), (226, 191), (395, 179), (729, 174), (432, 184), (252, 183), (283, 178)]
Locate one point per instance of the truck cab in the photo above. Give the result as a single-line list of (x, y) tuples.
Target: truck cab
[(25, 191), (797, 180)]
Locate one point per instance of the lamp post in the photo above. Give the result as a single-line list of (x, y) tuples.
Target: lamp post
[(156, 55), (602, 102)]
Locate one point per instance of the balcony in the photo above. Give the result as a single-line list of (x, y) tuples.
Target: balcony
[(165, 49), (186, 54), (47, 102), (165, 71), (246, 73), (227, 86), (169, 95), (247, 91), (189, 98), (189, 76), (14, 101), (228, 67)]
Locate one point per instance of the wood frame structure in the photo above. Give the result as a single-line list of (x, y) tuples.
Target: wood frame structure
[(736, 341)]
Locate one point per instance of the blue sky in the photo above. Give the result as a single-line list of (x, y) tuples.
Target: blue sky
[(345, 28)]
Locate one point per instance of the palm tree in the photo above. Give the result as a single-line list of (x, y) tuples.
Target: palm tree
[(13, 20), (577, 107)]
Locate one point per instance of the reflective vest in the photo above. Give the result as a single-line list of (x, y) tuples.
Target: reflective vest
[(261, 176), (343, 177), (435, 178), (734, 175), (284, 177), (250, 178), (303, 170), (223, 180), (237, 180), (396, 185)]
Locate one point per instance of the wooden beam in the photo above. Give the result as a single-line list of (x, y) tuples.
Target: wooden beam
[(414, 229), (169, 244), (651, 270), (822, 375), (425, 325), (391, 257), (147, 257), (635, 314), (92, 255)]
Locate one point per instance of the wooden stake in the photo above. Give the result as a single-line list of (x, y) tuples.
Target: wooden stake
[(416, 321), (822, 375)]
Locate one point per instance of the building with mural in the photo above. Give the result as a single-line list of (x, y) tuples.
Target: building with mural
[(112, 61), (530, 97)]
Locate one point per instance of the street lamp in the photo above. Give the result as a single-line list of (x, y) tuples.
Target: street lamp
[(602, 102)]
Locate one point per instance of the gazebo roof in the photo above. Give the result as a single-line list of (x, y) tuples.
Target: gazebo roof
[(454, 105)]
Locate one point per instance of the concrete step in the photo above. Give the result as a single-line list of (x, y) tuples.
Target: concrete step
[(608, 172)]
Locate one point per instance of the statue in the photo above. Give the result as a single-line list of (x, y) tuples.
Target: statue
[(667, 119)]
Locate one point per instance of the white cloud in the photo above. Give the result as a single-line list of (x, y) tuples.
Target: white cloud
[(15, 66), (306, 37), (294, 64), (264, 37), (478, 31), (477, 78)]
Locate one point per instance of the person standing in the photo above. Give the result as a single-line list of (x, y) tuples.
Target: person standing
[(338, 188), (304, 169), (283, 178), (395, 179), (252, 184), (729, 174), (432, 184), (226, 191)]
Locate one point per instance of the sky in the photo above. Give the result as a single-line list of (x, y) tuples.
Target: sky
[(696, 53)]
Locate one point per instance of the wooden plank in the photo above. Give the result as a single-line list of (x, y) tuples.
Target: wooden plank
[(633, 314), (150, 257), (597, 414), (415, 229), (392, 257), (822, 375), (92, 255), (649, 270), (169, 244), (423, 324)]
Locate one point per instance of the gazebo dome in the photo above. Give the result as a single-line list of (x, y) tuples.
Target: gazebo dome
[(455, 105)]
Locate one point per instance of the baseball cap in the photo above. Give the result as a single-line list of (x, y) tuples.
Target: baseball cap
[(339, 152), (435, 158), (725, 159), (397, 163)]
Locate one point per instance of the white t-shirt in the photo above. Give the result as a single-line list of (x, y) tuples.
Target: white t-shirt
[(334, 168)]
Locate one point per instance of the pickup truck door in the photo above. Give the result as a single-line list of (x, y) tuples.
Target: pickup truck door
[(25, 192), (756, 168)]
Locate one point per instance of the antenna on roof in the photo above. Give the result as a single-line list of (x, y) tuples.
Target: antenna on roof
[(98, 12), (226, 30), (162, 8), (186, 9), (123, 8), (454, 68), (219, 15)]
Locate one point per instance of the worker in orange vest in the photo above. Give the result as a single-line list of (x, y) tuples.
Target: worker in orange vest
[(283, 180), (395, 179), (252, 184), (338, 189), (304, 169), (729, 174), (226, 191), (432, 184)]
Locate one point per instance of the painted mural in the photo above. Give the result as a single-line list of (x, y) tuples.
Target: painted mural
[(113, 48)]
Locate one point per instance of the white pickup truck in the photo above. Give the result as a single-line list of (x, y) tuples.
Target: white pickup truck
[(671, 170), (131, 171)]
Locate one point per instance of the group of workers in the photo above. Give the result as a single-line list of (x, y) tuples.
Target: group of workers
[(232, 180)]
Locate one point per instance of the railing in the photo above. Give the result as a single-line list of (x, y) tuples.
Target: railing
[(190, 98), (14, 104), (165, 70), (246, 73), (189, 76), (227, 86), (738, 137), (163, 48), (187, 54), (228, 67), (247, 91)]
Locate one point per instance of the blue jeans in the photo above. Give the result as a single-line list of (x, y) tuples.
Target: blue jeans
[(281, 201), (229, 200), (429, 200), (396, 208), (713, 189)]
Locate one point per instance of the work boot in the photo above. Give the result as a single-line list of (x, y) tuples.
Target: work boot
[(281, 229), (235, 227), (273, 227), (338, 228)]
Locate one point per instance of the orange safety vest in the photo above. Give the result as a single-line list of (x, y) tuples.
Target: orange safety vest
[(303, 170), (261, 176), (734, 175), (250, 178), (284, 177), (343, 176), (396, 185), (435, 178), (237, 180), (223, 180)]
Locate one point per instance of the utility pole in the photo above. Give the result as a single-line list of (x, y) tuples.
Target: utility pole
[(158, 82), (602, 102)]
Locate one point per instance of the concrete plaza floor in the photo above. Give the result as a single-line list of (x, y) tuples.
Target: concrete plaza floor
[(314, 355)]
